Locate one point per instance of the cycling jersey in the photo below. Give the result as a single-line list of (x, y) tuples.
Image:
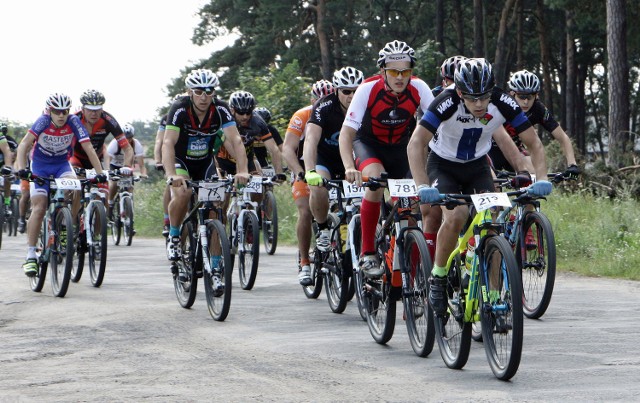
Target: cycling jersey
[(117, 155), (105, 126), (382, 117), (13, 145), (327, 113), (297, 124), (461, 137), (198, 141), (54, 144), (256, 129)]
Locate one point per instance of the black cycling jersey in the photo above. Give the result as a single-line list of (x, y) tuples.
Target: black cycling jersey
[(13, 145), (327, 113), (255, 130)]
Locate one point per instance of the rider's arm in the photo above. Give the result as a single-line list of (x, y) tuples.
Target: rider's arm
[(565, 143), (93, 157), (8, 155), (416, 153), (235, 147), (310, 150), (347, 134), (510, 150), (531, 140), (140, 162), (157, 149), (290, 152), (275, 154), (23, 150), (169, 152), (128, 155)]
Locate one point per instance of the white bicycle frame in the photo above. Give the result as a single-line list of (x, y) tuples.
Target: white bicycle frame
[(240, 206)]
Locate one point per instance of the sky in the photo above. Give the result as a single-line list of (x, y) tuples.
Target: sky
[(127, 49)]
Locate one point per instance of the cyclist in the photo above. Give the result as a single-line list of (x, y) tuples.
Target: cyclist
[(259, 149), (458, 127), (251, 128), (292, 152), (157, 156), (197, 125), (447, 70), (321, 151), (376, 131), (524, 87), (51, 137), (114, 159), (7, 147)]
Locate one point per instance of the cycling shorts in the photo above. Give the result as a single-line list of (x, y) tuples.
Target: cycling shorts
[(300, 189), (59, 169), (81, 163), (392, 157), (230, 167), (333, 166), (457, 177), (201, 170), (261, 155)]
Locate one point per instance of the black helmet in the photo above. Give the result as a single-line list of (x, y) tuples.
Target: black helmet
[(264, 113), (92, 99), (3, 128), (474, 76), (448, 68), (242, 101)]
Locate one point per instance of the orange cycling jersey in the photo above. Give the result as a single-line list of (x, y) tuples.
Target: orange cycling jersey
[(297, 125)]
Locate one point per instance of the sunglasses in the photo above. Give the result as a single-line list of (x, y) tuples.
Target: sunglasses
[(347, 92), (526, 97), (404, 73), (474, 97), (60, 112), (249, 112), (199, 91)]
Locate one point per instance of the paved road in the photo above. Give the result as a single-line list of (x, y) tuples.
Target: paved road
[(130, 341)]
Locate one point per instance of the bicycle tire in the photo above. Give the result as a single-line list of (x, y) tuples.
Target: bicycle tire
[(453, 334), (248, 258), (116, 222), (336, 278), (1, 221), (61, 257), (313, 291), (127, 223), (418, 316), (80, 242), (97, 253), (232, 220), (357, 276), (37, 282), (269, 213), (15, 214), (501, 315), (537, 265), (476, 331), (218, 305), (185, 281)]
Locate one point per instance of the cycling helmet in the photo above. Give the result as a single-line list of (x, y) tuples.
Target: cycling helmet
[(92, 99), (3, 128), (474, 76), (524, 81), (396, 51), (264, 113), (242, 101), (129, 131), (448, 68), (201, 78), (322, 88), (58, 101), (347, 77)]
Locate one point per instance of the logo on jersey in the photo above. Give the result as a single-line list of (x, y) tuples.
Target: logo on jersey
[(509, 101), (444, 105), (464, 119), (486, 119), (296, 123)]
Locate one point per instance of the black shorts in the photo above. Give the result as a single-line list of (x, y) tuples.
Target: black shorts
[(261, 156), (197, 171), (333, 165), (457, 177), (392, 157), (229, 167)]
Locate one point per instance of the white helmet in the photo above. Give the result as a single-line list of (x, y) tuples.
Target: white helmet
[(396, 50), (129, 131), (347, 77), (524, 81), (58, 100), (201, 78), (322, 88)]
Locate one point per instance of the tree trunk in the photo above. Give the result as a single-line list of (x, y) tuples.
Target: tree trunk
[(478, 29), (323, 40), (499, 64), (440, 27), (579, 135), (570, 92), (459, 21), (519, 36), (545, 55), (618, 82)]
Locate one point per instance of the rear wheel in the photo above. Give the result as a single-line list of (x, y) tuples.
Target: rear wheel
[(249, 257), (218, 299), (127, 220), (61, 256), (536, 257), (501, 315), (357, 276), (418, 316), (336, 279), (80, 243), (116, 223), (98, 242), (13, 220), (185, 281), (37, 281), (269, 213)]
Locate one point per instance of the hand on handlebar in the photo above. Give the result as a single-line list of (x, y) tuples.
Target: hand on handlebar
[(125, 171), (352, 175), (428, 194), (24, 174), (572, 171), (313, 178), (540, 188)]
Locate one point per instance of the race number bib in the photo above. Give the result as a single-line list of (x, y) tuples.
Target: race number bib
[(254, 185), (484, 201), (352, 191), (211, 191), (333, 194), (125, 182), (269, 172), (68, 184), (402, 188)]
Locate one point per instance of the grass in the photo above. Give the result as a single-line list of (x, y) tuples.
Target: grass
[(595, 236)]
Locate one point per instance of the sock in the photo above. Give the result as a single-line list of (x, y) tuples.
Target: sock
[(439, 271), (174, 231), (166, 219), (369, 214), (323, 225), (430, 237), (215, 261), (305, 262), (31, 252), (7, 201)]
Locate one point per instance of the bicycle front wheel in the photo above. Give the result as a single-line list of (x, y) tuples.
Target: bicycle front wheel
[(218, 289), (61, 257), (269, 213), (501, 307), (37, 282), (116, 222), (249, 257), (336, 279), (98, 242), (127, 220), (185, 281), (418, 316), (536, 257), (80, 246)]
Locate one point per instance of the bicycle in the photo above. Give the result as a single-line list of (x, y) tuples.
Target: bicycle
[(121, 220), (489, 290), (204, 250), (54, 244), (402, 251), (91, 234), (243, 230), (9, 214), (268, 213)]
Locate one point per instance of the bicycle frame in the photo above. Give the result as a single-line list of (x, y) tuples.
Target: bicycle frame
[(240, 205)]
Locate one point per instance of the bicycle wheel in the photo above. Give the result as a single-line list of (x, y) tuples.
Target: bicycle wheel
[(248, 258), (37, 282), (80, 244), (61, 257), (116, 222), (452, 332), (185, 281), (98, 242), (501, 315), (218, 302), (1, 221), (127, 220), (357, 276), (15, 214), (269, 213), (536, 257), (336, 279), (418, 316)]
